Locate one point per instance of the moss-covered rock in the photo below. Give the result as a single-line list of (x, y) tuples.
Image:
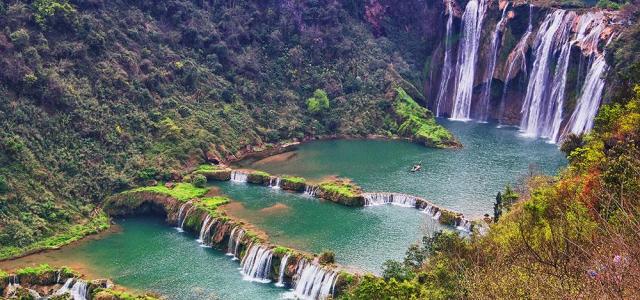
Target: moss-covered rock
[(341, 192), (448, 217), (290, 183), (259, 177)]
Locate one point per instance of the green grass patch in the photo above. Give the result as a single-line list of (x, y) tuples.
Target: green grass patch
[(341, 188), (115, 294), (35, 271), (75, 232), (294, 179), (281, 250), (260, 173), (182, 191), (418, 122), (207, 168), (3, 275), (211, 204)]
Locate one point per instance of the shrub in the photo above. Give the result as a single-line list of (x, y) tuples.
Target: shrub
[(4, 186), (319, 102), (20, 38), (199, 180), (395, 269), (49, 12), (327, 257)]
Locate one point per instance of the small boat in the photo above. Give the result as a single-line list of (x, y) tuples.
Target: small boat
[(417, 167)]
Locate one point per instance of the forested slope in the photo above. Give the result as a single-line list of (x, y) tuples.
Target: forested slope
[(98, 96)]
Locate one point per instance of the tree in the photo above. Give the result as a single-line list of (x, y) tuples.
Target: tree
[(319, 102), (4, 186), (199, 180), (392, 269)]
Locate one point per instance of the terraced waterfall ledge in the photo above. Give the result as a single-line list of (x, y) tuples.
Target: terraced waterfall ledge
[(309, 276)]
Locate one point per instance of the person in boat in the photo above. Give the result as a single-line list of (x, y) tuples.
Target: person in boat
[(417, 167)]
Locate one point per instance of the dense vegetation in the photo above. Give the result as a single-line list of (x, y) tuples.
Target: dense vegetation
[(101, 96)]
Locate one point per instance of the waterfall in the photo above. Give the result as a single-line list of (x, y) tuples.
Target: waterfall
[(430, 210), (536, 106), (283, 266), (315, 283), (78, 291), (256, 265), (180, 216), (310, 190), (467, 55), (374, 199), (205, 226), (519, 52), (557, 94), (437, 215), (464, 225), (586, 109), (237, 176), (446, 65), (495, 43), (186, 215), (274, 182), (234, 242)]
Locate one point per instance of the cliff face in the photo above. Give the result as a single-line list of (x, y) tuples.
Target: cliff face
[(510, 54)]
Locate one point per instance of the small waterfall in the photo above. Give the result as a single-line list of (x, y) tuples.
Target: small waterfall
[(78, 291), (467, 56), (446, 65), (495, 43), (310, 190), (536, 104), (234, 242), (374, 199), (274, 183), (206, 224), (181, 217), (186, 215), (581, 120), (519, 53), (437, 215), (464, 225), (557, 94), (256, 265), (430, 210), (237, 176), (315, 283), (283, 267)]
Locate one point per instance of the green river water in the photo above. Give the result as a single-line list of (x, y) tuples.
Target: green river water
[(148, 255)]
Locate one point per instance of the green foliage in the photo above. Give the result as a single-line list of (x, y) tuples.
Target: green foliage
[(4, 186), (199, 181), (20, 37), (102, 293), (280, 250), (211, 204), (51, 11), (96, 224), (392, 269), (327, 257), (318, 103), (608, 4), (504, 202), (181, 191), (294, 179), (341, 188), (35, 271), (418, 122)]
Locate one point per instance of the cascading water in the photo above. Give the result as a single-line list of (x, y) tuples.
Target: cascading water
[(274, 183), (234, 242), (446, 65), (256, 265), (283, 266), (315, 283), (467, 56), (78, 291), (538, 93), (310, 190), (518, 54), (373, 199), (186, 215), (205, 226), (464, 225), (495, 43), (181, 218), (581, 120), (237, 176)]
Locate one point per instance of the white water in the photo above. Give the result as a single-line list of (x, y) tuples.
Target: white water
[(180, 216), (495, 43), (256, 265), (538, 92), (581, 120), (467, 56), (234, 242), (464, 225), (274, 183), (283, 266), (314, 283), (374, 199), (205, 226), (310, 190), (237, 176), (78, 291), (446, 65), (186, 215), (519, 53)]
